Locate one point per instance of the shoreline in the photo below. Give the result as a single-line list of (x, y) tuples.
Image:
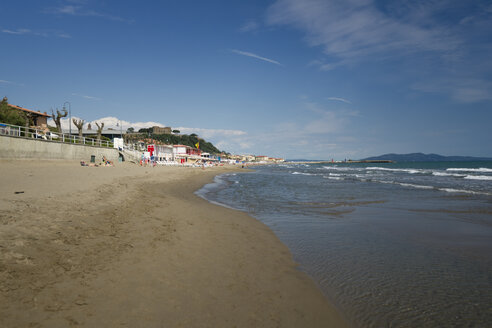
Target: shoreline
[(136, 246)]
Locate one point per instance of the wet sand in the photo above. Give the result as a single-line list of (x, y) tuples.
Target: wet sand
[(128, 246)]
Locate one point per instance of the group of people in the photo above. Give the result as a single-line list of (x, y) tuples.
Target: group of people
[(105, 162)]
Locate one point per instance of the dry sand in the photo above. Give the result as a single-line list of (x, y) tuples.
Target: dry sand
[(128, 246)]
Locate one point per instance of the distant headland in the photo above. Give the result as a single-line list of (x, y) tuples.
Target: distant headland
[(420, 157)]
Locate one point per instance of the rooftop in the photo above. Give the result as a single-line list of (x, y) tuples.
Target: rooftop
[(30, 110)]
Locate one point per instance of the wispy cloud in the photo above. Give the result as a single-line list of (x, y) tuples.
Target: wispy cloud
[(86, 97), (10, 82), (351, 31), (322, 134), (339, 99), (466, 90), (447, 41), (250, 54), (249, 26), (209, 133), (18, 31), (45, 33), (78, 8)]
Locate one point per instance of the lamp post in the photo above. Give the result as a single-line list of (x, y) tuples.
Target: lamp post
[(69, 116)]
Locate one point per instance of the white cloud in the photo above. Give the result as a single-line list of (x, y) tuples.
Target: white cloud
[(46, 33), (18, 31), (10, 82), (351, 31), (249, 27), (326, 121), (339, 99), (78, 9), (249, 54), (6, 82), (445, 44), (285, 139), (463, 89), (115, 123), (86, 97), (322, 135), (110, 122), (210, 133)]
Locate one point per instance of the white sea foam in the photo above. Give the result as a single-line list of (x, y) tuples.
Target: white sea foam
[(333, 178), (464, 169), (337, 168), (411, 171), (444, 174), (450, 190), (478, 177), (335, 175), (384, 181), (459, 191), (303, 173), (415, 186), (405, 184)]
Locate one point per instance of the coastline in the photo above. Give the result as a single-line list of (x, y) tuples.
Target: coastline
[(135, 246)]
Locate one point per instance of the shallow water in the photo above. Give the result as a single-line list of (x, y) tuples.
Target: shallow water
[(393, 245)]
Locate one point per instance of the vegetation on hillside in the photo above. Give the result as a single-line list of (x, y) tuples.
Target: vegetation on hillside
[(9, 115), (183, 139)]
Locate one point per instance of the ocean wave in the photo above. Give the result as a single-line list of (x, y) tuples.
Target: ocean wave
[(461, 191), (303, 173), (338, 168), (414, 185), (478, 177), (411, 171), (444, 174), (464, 169), (333, 177)]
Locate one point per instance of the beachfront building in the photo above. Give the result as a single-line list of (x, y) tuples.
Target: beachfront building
[(186, 154), (248, 158), (262, 158), (38, 119), (164, 153), (210, 158)]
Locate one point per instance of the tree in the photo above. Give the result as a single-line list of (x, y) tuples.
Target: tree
[(10, 115), (99, 130), (80, 125), (145, 130), (58, 118), (130, 130), (176, 131)]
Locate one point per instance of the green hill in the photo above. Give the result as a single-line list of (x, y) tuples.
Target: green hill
[(184, 139)]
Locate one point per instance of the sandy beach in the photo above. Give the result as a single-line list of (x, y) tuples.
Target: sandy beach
[(131, 246)]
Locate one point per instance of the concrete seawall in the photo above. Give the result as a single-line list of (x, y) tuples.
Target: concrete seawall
[(35, 148)]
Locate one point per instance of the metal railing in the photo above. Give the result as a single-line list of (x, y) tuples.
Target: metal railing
[(30, 133)]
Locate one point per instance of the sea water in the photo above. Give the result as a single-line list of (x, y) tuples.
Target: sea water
[(392, 245)]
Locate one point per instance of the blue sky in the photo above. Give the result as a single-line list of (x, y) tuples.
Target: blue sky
[(286, 78)]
